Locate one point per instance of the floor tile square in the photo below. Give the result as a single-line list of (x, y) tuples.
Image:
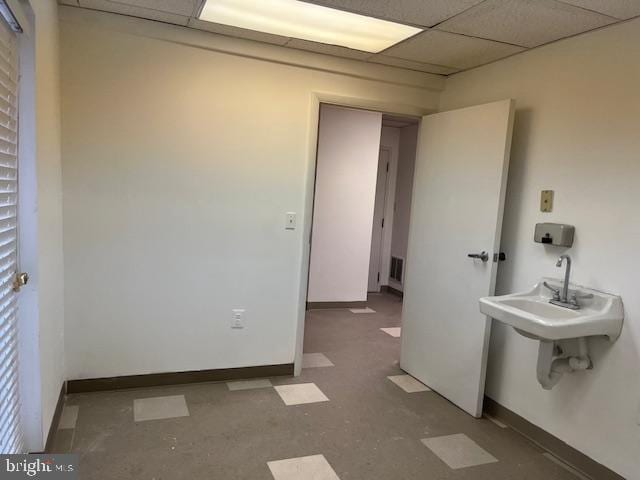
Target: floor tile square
[(393, 331), (409, 384), (158, 408), (362, 310), (69, 417), (300, 393), (314, 467), (249, 384), (458, 451), (315, 360)]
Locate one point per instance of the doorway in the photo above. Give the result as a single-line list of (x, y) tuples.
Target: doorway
[(377, 233), (360, 156), (461, 166)]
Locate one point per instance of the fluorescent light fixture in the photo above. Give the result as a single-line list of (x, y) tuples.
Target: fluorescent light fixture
[(306, 21)]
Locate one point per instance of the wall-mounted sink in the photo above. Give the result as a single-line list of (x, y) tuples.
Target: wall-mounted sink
[(561, 330), (531, 314)]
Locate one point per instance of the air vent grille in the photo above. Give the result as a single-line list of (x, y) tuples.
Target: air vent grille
[(397, 269)]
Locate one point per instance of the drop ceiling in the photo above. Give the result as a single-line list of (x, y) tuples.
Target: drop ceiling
[(457, 34)]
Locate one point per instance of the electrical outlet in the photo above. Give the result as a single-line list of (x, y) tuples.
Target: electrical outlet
[(237, 318), (290, 221)]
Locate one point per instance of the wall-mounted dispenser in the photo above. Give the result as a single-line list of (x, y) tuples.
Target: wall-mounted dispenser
[(558, 234)]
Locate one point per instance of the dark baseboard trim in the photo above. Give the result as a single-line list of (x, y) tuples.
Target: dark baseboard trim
[(56, 418), (559, 449), (177, 378), (391, 290), (321, 305)]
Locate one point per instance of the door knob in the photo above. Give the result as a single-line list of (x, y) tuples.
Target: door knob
[(20, 281), (484, 256)]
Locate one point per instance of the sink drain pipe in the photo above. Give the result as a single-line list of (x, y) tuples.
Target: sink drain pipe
[(550, 369)]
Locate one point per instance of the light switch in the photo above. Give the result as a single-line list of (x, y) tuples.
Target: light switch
[(290, 221)]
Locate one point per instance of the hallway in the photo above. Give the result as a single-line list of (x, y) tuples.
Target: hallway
[(364, 425)]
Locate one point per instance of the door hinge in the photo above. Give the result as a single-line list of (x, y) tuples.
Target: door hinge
[(378, 277), (383, 223), (387, 166)]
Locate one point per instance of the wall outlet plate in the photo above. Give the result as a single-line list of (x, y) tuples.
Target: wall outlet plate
[(237, 318), (290, 221), (546, 201)]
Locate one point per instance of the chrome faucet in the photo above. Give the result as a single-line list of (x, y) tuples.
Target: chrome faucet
[(564, 296), (561, 296)]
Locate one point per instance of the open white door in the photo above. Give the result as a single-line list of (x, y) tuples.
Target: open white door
[(458, 201)]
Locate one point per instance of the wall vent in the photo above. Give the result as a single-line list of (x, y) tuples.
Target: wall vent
[(397, 269)]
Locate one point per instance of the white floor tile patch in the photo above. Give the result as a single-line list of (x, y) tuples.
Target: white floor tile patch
[(314, 360), (458, 451), (249, 384), (158, 408), (362, 310), (409, 384), (301, 393), (314, 467), (69, 417), (393, 331)]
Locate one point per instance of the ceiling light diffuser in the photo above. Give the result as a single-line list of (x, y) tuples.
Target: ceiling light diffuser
[(307, 21)]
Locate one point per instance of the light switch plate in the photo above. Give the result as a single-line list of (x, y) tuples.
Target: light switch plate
[(546, 201)]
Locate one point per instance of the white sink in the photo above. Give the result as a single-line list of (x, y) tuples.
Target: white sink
[(531, 314)]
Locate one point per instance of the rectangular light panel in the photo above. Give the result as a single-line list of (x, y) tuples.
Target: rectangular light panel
[(306, 21)]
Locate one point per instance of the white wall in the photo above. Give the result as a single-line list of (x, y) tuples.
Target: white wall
[(403, 189), (179, 164), (576, 132), (346, 173), (41, 303)]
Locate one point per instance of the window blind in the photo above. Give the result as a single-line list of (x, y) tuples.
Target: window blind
[(10, 427)]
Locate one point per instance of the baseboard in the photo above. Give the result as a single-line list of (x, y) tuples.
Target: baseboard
[(391, 290), (176, 378), (556, 447), (56, 418), (321, 305)]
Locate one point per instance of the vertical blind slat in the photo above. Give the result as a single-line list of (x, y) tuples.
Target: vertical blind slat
[(10, 425)]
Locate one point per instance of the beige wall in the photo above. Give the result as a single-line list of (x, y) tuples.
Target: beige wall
[(576, 132), (180, 162)]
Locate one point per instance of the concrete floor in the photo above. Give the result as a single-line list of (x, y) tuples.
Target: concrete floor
[(368, 429)]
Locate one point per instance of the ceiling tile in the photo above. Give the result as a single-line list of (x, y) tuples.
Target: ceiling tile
[(622, 9), (328, 49), (237, 32), (179, 7), (416, 12), (443, 48), (525, 22), (135, 11), (411, 65)]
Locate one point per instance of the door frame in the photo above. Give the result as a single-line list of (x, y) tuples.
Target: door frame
[(315, 99)]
